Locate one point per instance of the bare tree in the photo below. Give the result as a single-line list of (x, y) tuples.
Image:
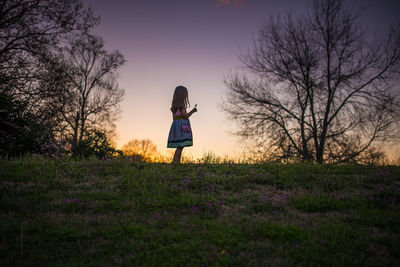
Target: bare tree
[(86, 93), (28, 27), (317, 88)]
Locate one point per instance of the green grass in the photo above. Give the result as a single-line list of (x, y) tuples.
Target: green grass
[(95, 213)]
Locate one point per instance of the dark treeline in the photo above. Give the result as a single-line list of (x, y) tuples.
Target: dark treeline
[(58, 87)]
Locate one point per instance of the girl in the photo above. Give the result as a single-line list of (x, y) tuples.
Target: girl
[(180, 134)]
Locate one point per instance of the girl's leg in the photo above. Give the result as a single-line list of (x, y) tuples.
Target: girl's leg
[(177, 155)]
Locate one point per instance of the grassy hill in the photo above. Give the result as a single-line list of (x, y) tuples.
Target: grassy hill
[(83, 213)]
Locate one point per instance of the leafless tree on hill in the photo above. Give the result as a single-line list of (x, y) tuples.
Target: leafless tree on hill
[(28, 29), (318, 88), (83, 76)]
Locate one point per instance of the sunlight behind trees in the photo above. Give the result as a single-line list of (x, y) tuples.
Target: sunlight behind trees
[(144, 150)]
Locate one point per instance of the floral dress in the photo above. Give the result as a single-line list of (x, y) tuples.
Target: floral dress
[(180, 134)]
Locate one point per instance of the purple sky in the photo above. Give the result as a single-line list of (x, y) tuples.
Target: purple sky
[(194, 43)]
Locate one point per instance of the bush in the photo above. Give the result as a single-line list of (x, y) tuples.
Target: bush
[(96, 144)]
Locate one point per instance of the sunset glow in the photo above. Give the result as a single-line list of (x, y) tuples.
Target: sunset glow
[(195, 44)]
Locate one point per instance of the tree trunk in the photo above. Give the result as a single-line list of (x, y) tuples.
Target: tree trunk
[(75, 142)]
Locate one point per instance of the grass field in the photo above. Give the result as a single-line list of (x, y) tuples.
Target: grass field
[(106, 213)]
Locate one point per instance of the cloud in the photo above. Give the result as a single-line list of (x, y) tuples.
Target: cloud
[(240, 3), (223, 3), (236, 3)]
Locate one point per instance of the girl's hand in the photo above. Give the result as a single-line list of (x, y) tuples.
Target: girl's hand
[(187, 115)]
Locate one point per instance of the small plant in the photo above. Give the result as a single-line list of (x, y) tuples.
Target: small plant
[(209, 158), (318, 204)]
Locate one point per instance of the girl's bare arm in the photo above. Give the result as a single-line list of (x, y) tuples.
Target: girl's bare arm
[(187, 115)]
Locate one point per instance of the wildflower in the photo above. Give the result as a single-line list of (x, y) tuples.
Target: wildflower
[(223, 252), (156, 216), (194, 209), (264, 198), (380, 187)]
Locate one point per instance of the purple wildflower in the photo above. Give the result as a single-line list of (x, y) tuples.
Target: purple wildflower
[(194, 209)]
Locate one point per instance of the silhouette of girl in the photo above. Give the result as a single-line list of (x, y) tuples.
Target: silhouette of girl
[(180, 134)]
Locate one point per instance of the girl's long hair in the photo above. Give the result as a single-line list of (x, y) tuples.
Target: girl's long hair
[(180, 99)]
